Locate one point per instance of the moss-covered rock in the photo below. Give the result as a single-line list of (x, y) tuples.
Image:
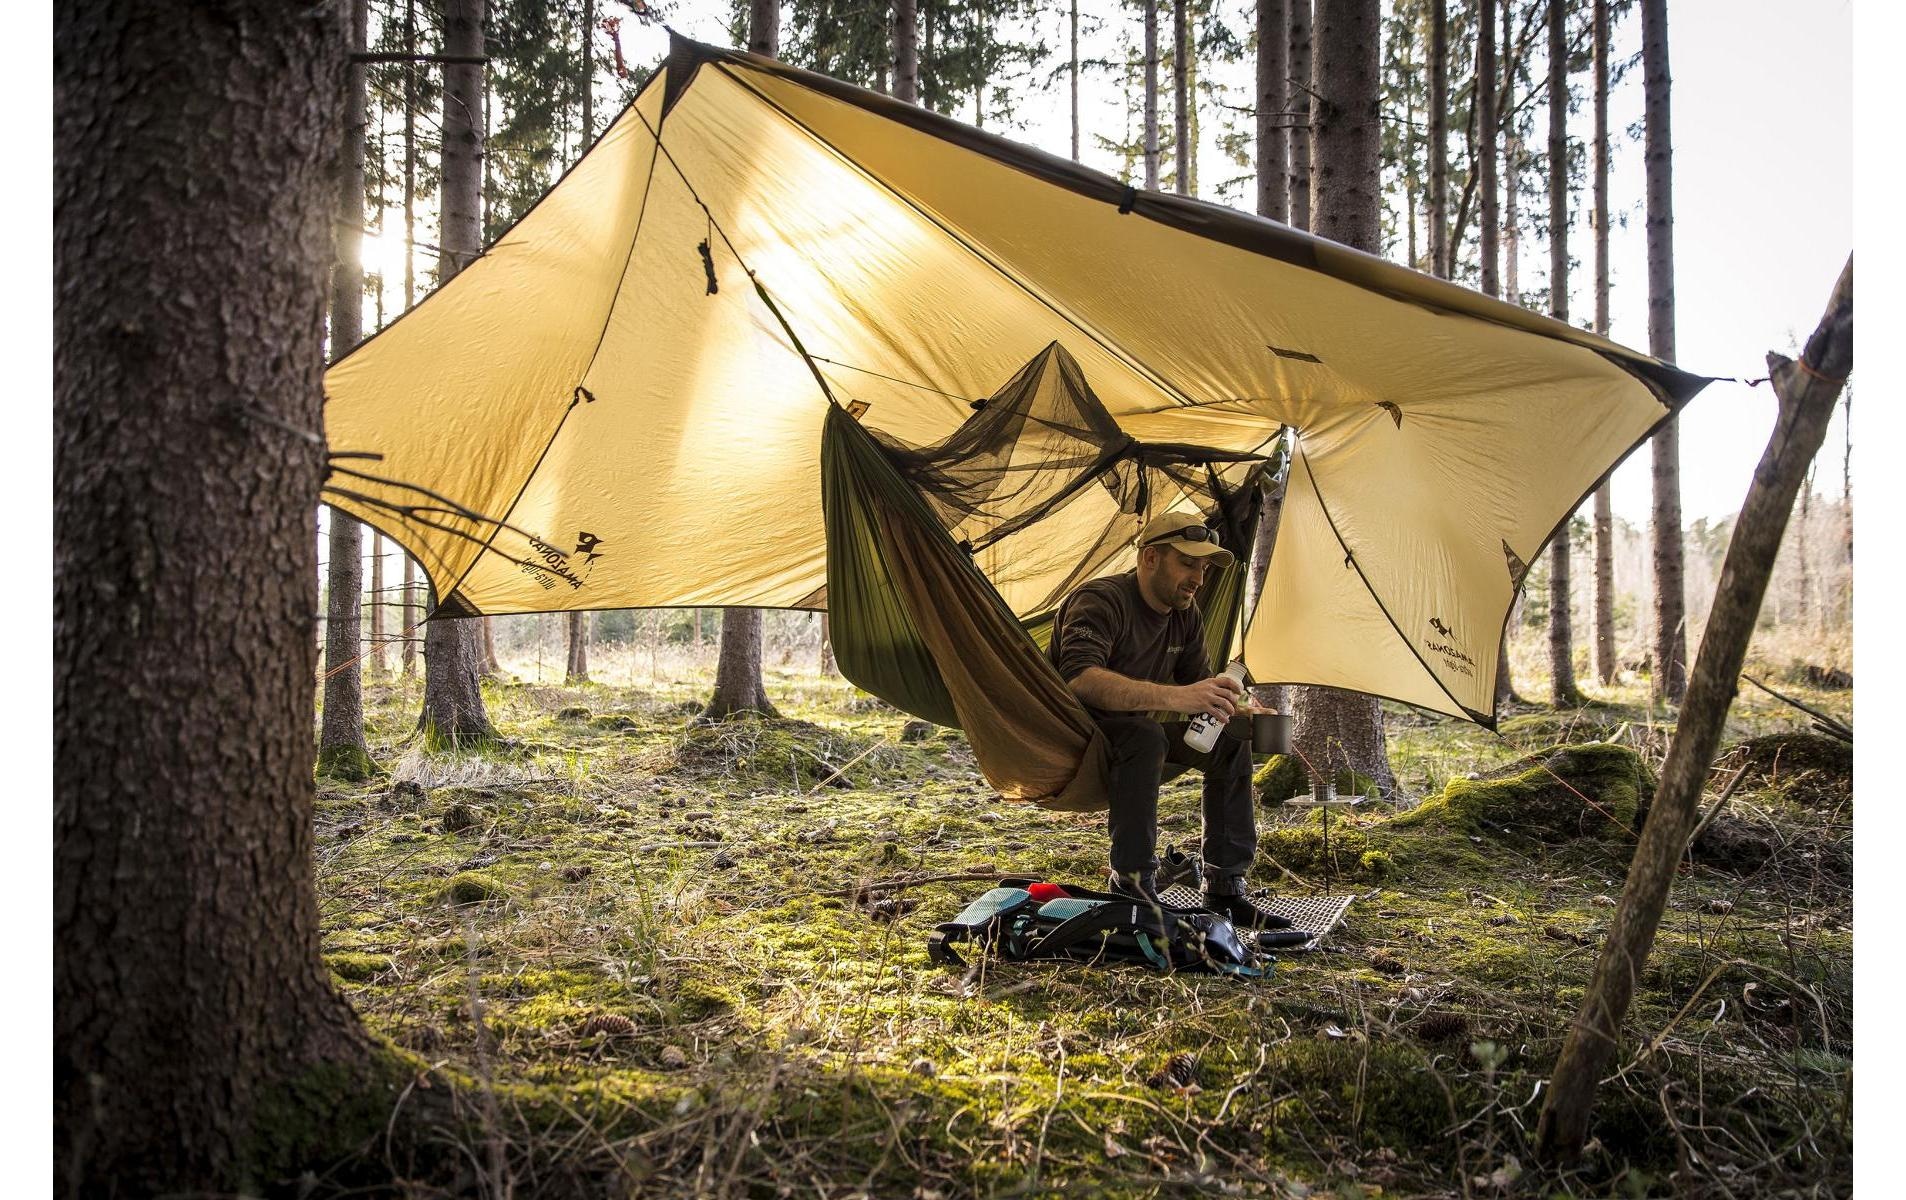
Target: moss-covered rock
[(1806, 768), (1300, 848), (1538, 729), (474, 887), (1281, 777), (1594, 790), (357, 966)]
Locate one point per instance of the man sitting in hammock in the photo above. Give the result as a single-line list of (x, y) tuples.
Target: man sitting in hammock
[(1131, 645)]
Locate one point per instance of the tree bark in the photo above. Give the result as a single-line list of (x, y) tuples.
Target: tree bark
[(906, 54), (578, 668), (190, 276), (1345, 185), (341, 748), (410, 607), (1335, 728), (1806, 392), (1297, 100), (764, 28), (1562, 690), (1487, 123), (1439, 139), (1074, 41), (738, 684), (376, 656), (1604, 496), (453, 649), (588, 80), (1670, 601), (1273, 125), (1181, 99), (1151, 95), (1511, 161)]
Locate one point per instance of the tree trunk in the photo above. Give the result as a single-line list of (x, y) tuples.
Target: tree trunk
[(906, 52), (1604, 497), (187, 985), (1511, 161), (492, 668), (1074, 38), (453, 649), (1562, 689), (828, 665), (379, 635), (1151, 95), (1846, 512), (1335, 728), (1181, 100), (588, 75), (738, 685), (1297, 100), (1806, 394), (764, 28), (1670, 624), (409, 610), (1487, 123), (1273, 126), (1439, 139), (578, 668), (341, 748)]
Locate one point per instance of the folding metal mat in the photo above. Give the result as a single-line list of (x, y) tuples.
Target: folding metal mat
[(1319, 914)]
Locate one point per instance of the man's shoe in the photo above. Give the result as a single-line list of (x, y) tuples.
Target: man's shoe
[(1240, 911), (1180, 866)]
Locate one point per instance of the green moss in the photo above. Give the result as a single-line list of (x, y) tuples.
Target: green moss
[(322, 1114), (357, 966), (696, 1000), (351, 764), (474, 887), (1300, 847), (1597, 795), (1382, 1090), (1375, 864)]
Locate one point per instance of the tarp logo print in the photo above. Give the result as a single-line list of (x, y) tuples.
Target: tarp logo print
[(1454, 658), (551, 566)]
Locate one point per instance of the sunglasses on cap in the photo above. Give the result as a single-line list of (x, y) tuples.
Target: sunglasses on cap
[(1190, 533)]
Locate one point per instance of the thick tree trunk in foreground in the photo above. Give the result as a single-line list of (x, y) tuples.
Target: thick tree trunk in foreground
[(738, 685), (578, 668), (1604, 497), (341, 748), (1806, 394), (1335, 728), (1297, 100), (453, 649), (187, 987), (1073, 38), (1511, 160), (1562, 689), (906, 51), (1151, 94), (1670, 624), (1273, 127)]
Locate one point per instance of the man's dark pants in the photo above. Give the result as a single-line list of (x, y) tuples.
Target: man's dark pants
[(1140, 747)]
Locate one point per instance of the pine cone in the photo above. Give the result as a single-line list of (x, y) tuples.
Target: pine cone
[(611, 1024), (1442, 1027)]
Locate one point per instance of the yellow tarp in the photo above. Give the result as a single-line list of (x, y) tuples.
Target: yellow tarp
[(643, 442)]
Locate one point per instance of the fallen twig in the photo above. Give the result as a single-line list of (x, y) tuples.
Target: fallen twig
[(1825, 722)]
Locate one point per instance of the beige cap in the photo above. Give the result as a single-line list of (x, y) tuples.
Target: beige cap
[(1185, 532)]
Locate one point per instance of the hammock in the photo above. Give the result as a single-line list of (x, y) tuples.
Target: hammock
[(918, 623)]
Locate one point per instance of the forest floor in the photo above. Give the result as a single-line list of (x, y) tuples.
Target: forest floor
[(634, 951)]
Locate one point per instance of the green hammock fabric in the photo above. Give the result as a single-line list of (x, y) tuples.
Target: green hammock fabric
[(916, 623)]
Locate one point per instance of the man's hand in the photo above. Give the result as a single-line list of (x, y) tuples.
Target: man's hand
[(1218, 695)]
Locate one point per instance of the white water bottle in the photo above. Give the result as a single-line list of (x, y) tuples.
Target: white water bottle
[(1202, 733)]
